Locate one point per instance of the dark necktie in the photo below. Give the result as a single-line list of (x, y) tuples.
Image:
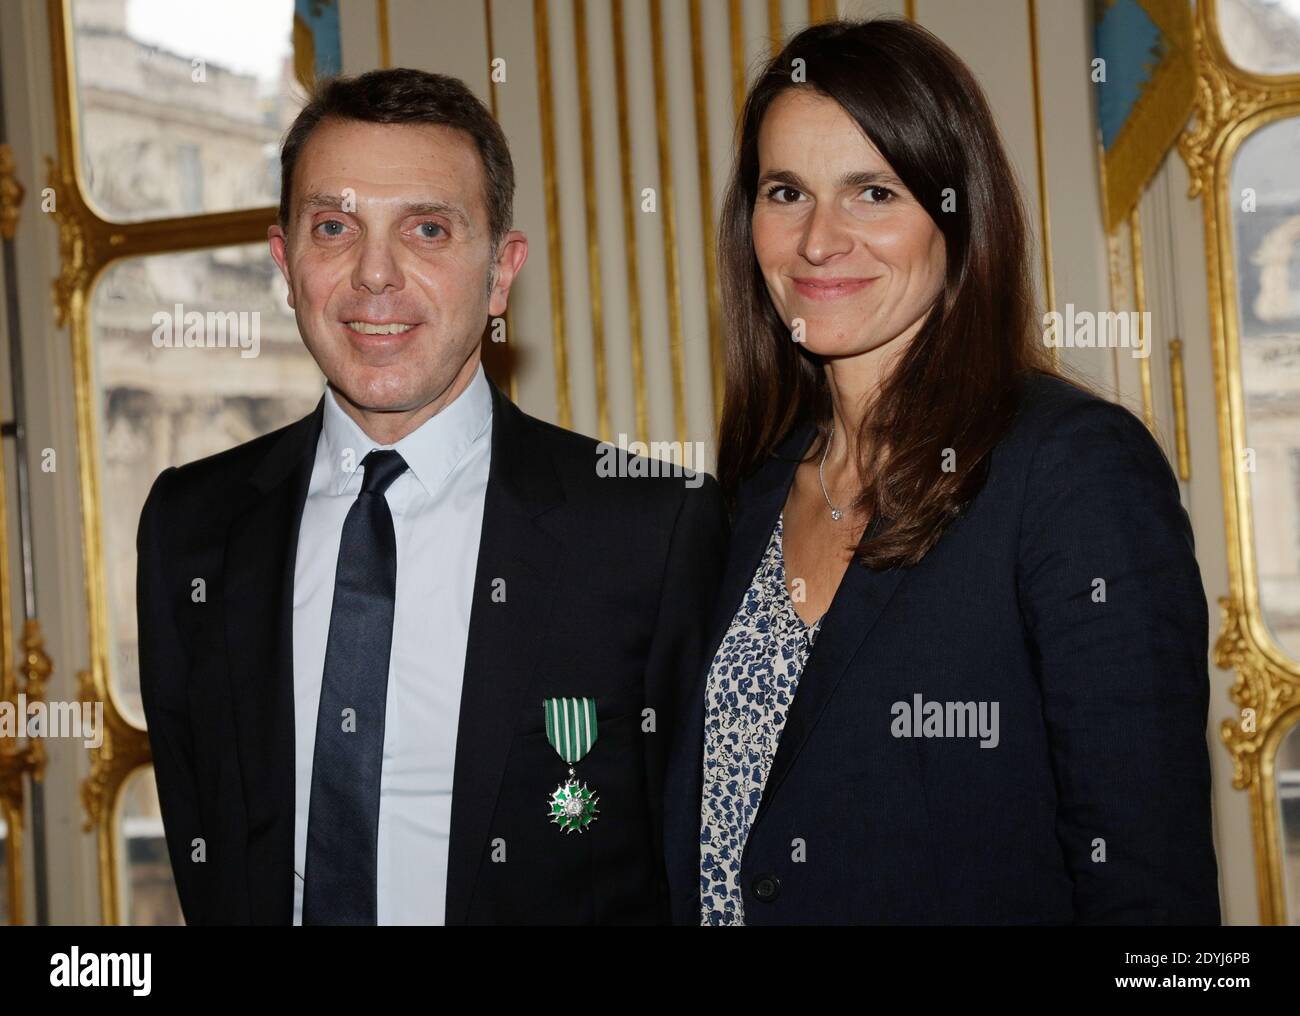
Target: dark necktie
[(343, 823)]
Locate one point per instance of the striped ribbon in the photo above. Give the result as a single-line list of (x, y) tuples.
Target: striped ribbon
[(570, 726)]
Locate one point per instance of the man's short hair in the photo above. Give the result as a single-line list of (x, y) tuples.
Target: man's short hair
[(403, 95)]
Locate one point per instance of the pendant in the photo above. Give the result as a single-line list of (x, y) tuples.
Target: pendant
[(573, 805), (836, 514)]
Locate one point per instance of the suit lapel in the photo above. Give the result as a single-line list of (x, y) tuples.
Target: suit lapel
[(504, 634), (857, 606), (751, 530), (261, 549)]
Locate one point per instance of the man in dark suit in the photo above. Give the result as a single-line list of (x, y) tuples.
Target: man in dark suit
[(429, 670)]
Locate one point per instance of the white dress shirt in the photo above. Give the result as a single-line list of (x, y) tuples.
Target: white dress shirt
[(437, 508)]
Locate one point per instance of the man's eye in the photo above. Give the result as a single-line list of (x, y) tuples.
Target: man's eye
[(430, 230), (878, 195), (326, 228)]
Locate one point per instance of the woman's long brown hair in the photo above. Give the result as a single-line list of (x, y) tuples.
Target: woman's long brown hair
[(955, 385)]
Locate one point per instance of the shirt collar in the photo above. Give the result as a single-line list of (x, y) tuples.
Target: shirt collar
[(431, 451)]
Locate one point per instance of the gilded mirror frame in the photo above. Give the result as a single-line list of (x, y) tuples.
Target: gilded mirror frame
[(1231, 105)]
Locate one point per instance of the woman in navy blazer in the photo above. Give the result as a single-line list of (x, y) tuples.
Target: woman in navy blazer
[(960, 656)]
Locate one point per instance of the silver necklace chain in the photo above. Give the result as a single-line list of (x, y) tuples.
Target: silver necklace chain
[(836, 513)]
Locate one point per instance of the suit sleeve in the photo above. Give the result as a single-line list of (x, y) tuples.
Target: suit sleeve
[(688, 590), (1117, 619), (163, 669)]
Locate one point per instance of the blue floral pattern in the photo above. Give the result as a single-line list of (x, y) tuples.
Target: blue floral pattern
[(751, 684)]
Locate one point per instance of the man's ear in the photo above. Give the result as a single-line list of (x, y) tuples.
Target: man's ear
[(279, 254), (511, 255)]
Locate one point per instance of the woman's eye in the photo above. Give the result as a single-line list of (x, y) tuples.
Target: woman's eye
[(430, 230), (878, 195), (780, 188)]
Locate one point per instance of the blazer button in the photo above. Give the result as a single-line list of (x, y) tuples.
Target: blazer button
[(767, 888)]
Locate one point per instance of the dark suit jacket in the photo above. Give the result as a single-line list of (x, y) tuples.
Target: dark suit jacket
[(608, 581), (1102, 705)]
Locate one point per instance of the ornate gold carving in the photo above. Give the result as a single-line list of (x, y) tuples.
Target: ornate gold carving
[(36, 670), (29, 759), (125, 748), (11, 193), (1264, 693), (77, 242), (1225, 96)]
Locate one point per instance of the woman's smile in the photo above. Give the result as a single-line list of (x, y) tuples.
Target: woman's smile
[(829, 289)]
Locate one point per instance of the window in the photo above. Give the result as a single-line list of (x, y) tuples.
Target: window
[(180, 107), (178, 313)]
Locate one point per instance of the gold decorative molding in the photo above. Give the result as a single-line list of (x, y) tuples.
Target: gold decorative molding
[(668, 210), (1040, 151), (1262, 698), (629, 223), (36, 670), (1138, 266), (123, 750), (708, 226), (591, 209), (504, 362), (81, 246), (11, 810), (1270, 706), (1232, 104), (1178, 385), (736, 31), (1225, 96), (18, 757), (11, 193), (554, 247), (385, 41)]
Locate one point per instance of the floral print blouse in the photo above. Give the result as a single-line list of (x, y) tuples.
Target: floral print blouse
[(750, 686)]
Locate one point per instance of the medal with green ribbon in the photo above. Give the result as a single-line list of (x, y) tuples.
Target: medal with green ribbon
[(571, 730)]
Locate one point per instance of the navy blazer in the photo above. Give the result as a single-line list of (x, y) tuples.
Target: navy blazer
[(1094, 804)]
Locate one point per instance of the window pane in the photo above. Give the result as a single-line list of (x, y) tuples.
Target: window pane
[(181, 103), (163, 406), (149, 887), (1261, 35), (1265, 197)]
